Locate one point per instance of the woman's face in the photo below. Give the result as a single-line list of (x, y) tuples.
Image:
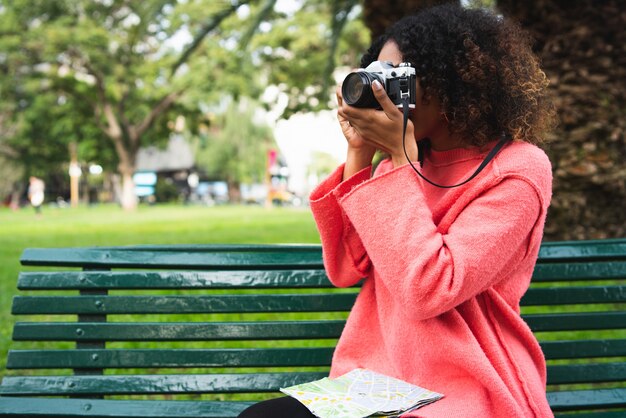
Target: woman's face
[(427, 118)]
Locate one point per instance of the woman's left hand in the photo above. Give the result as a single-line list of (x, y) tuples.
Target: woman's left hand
[(382, 129)]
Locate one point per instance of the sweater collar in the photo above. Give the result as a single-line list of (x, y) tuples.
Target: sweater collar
[(458, 154)]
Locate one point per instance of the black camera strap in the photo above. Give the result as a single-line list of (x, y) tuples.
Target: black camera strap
[(504, 139)]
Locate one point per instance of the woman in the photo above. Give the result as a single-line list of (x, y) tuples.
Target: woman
[(444, 269)]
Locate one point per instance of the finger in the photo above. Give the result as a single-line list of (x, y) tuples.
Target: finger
[(339, 96), (341, 114), (344, 122), (390, 109), (345, 127), (357, 113)]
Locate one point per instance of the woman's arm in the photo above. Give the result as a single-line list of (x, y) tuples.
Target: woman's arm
[(344, 255), (430, 271)]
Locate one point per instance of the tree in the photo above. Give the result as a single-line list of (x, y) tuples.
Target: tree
[(300, 50), (122, 66), (10, 171), (119, 58), (236, 146), (581, 46)]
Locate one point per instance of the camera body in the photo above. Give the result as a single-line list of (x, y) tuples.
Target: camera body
[(399, 83)]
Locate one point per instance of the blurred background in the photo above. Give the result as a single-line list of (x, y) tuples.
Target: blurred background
[(115, 106)]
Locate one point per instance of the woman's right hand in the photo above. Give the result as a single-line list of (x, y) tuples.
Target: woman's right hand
[(354, 138), (360, 153)]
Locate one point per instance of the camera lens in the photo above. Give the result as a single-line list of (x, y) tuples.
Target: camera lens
[(353, 88), (357, 90)]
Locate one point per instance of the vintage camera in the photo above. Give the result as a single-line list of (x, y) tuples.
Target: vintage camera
[(399, 82)]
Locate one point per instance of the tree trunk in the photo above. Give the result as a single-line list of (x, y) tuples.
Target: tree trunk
[(128, 198), (582, 46), (234, 191)]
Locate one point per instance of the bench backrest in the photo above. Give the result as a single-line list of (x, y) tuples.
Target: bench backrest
[(253, 318)]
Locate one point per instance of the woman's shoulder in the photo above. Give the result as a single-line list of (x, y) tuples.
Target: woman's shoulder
[(519, 156), (526, 161)]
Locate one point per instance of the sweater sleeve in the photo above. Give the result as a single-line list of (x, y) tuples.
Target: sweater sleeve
[(431, 272), (344, 256)]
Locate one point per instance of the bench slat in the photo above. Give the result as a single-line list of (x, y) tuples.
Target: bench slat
[(574, 295), (576, 321), (586, 373), (173, 279), (268, 382), (313, 278), (587, 399), (318, 356), (118, 358), (602, 414), (94, 408), (329, 302), (154, 384), (179, 331), (242, 256), (25, 407), (583, 250), (199, 257), (562, 374), (554, 272), (583, 349)]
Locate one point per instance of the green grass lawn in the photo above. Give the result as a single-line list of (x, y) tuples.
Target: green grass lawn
[(109, 225)]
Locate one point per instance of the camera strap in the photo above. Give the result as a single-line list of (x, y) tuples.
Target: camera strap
[(504, 139)]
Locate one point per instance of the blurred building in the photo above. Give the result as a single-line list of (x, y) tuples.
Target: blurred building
[(167, 174)]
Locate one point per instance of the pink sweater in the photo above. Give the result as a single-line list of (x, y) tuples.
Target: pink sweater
[(444, 273)]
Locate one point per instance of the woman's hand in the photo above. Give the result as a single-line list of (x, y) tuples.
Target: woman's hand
[(378, 129), (360, 153)]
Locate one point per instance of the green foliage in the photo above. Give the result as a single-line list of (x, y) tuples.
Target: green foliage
[(95, 72), (299, 54), (235, 147), (49, 121), (10, 174), (66, 61)]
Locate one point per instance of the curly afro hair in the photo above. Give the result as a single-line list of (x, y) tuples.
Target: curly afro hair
[(480, 68)]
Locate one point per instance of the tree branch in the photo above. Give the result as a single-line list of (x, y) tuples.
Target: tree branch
[(122, 107), (7, 151), (340, 11), (113, 129), (97, 112), (206, 29), (147, 122), (104, 107), (266, 10)]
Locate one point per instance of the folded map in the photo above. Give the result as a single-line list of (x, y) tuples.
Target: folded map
[(361, 393)]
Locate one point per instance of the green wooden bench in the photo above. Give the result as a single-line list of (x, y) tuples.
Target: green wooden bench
[(155, 331)]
